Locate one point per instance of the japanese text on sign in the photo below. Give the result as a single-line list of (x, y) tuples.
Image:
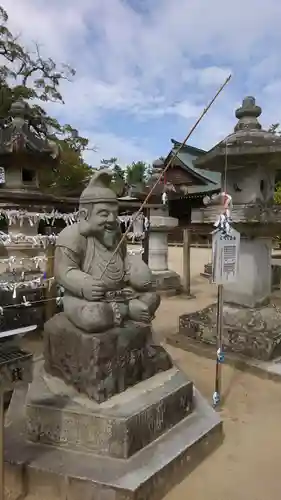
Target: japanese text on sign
[(225, 257)]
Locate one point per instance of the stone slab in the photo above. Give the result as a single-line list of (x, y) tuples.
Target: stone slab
[(167, 283), (252, 332), (270, 370), (58, 415), (48, 472), (105, 364), (275, 273)]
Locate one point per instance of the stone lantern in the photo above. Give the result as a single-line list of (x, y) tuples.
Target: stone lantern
[(161, 224), (248, 160), (24, 153)]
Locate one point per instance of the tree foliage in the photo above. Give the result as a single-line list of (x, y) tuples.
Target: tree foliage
[(136, 175), (118, 183), (27, 75)]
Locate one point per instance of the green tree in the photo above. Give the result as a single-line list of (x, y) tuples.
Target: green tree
[(27, 75), (118, 178), (136, 173)]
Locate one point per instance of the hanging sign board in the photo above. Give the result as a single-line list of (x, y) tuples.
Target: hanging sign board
[(2, 175), (225, 257)]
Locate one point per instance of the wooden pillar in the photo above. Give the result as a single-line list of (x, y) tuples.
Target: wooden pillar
[(186, 261)]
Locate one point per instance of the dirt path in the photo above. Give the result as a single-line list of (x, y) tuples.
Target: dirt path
[(247, 465)]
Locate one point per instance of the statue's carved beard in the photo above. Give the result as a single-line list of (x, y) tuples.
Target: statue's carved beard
[(107, 237)]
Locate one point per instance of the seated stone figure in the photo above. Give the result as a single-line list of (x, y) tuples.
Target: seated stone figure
[(108, 301)]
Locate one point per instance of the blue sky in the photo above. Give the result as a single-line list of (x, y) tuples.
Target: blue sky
[(146, 68)]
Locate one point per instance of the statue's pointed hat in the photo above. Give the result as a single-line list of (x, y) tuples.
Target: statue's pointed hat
[(98, 189)]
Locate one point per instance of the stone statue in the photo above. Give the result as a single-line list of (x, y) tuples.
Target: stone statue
[(109, 302), (100, 296)]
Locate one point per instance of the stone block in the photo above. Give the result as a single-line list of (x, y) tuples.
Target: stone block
[(253, 332), (101, 365), (167, 282), (46, 472), (57, 415)]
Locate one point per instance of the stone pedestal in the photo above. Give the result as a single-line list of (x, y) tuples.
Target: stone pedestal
[(251, 326), (253, 285), (253, 332), (101, 365), (137, 445), (116, 428), (167, 281)]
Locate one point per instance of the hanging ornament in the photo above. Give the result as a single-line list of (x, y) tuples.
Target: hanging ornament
[(25, 302), (59, 301), (164, 198), (220, 355), (146, 224), (216, 398)]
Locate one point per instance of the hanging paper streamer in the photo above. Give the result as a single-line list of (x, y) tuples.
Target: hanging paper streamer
[(134, 252), (164, 198), (39, 240), (33, 283), (146, 224), (2, 175), (14, 216), (224, 200), (25, 302), (13, 261), (137, 232)]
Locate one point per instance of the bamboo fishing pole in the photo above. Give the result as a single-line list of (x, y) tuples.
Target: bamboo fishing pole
[(205, 110)]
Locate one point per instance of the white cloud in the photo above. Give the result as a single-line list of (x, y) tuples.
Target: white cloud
[(155, 62), (121, 148)]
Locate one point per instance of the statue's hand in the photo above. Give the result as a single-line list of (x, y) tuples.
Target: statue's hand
[(139, 311), (94, 290)]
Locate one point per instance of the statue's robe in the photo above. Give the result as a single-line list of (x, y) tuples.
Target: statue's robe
[(79, 261)]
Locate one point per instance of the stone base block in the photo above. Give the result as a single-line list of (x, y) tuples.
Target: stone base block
[(167, 282), (101, 365), (49, 472), (58, 415), (253, 332), (275, 273)]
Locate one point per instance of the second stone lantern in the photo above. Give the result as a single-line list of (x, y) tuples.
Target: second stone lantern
[(248, 160)]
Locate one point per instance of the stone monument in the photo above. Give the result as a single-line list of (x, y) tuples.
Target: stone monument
[(24, 153), (108, 415), (168, 282), (248, 159)]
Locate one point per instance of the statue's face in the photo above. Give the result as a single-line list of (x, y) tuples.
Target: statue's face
[(103, 223)]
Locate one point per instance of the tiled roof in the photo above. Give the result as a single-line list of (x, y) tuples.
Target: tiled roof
[(187, 156)]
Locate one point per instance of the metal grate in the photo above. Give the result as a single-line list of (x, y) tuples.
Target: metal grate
[(12, 355)]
